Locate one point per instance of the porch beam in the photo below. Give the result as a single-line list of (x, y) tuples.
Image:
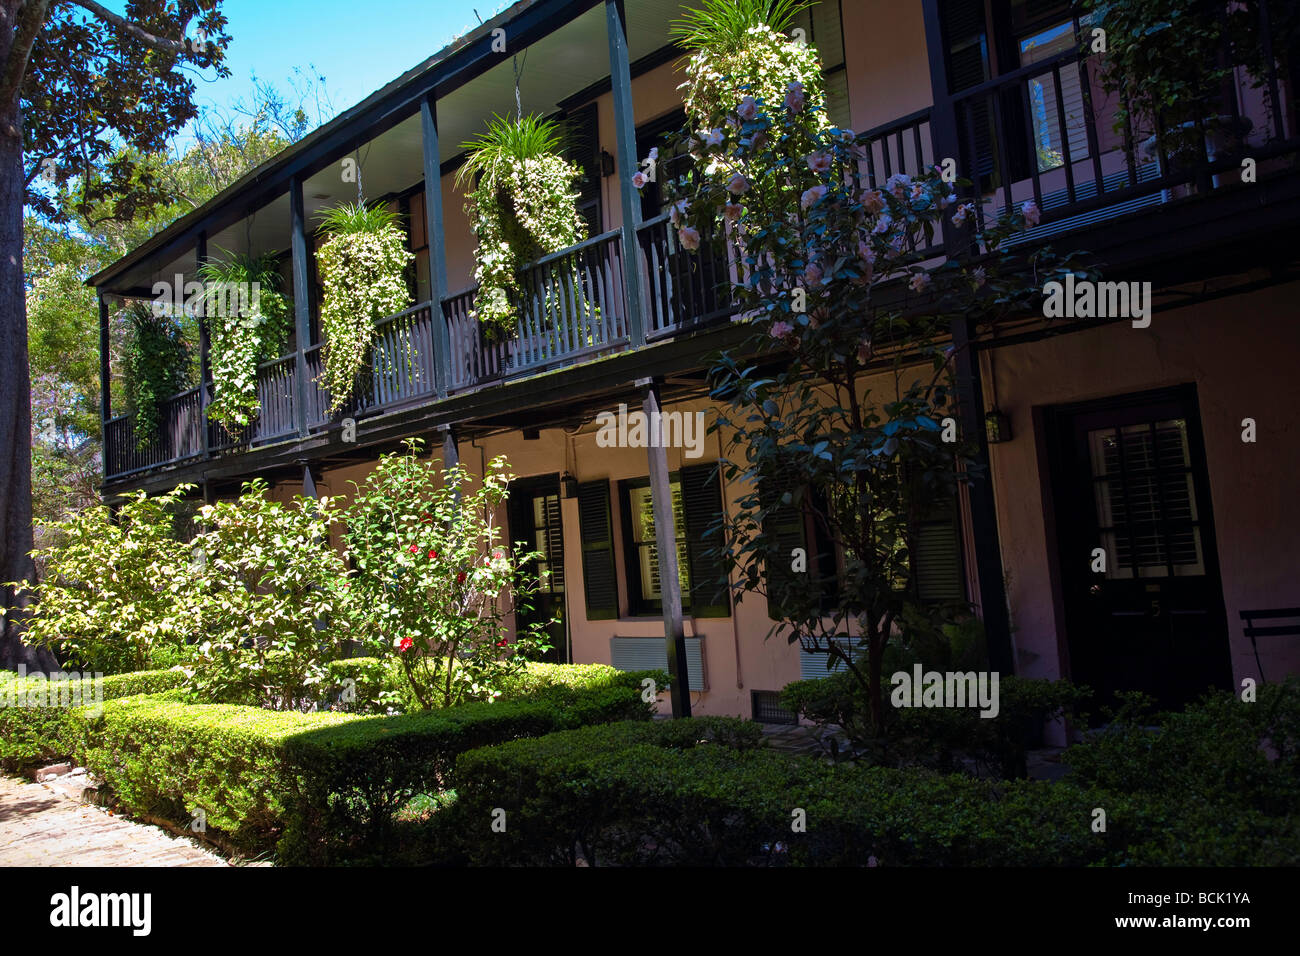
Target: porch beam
[(434, 243), (301, 300), (626, 159), (670, 590), (983, 511)]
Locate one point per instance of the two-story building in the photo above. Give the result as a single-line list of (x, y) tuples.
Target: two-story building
[(1172, 446)]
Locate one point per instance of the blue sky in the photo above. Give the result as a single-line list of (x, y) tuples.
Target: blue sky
[(357, 45)]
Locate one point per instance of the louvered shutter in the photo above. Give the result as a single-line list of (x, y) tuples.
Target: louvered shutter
[(936, 556), (701, 507), (784, 525), (596, 530)]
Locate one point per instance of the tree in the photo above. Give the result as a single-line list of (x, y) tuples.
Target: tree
[(80, 87)]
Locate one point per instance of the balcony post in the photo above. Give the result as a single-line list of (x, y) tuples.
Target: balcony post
[(992, 595), (661, 500), (301, 300), (433, 235), (943, 115), (620, 75), (205, 348), (105, 374)]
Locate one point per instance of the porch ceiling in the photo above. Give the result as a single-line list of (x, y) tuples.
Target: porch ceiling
[(552, 69)]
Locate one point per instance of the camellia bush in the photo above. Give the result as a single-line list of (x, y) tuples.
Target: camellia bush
[(115, 591), (248, 321), (267, 592), (362, 265), (433, 579), (835, 409), (522, 206)]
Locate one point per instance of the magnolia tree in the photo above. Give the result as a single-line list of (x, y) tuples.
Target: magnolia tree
[(434, 579), (267, 592), (840, 412), (116, 588)]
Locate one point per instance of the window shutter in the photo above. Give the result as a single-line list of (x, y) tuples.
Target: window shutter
[(701, 507), (784, 524), (936, 558), (596, 530)]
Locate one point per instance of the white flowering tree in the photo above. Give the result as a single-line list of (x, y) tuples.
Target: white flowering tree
[(362, 267), (835, 410)]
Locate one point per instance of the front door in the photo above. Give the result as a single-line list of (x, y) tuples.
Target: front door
[(535, 521), (1143, 599)]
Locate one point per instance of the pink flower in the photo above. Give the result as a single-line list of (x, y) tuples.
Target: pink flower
[(962, 214), (812, 274), (794, 97), (759, 141), (865, 352), (917, 191), (811, 197), (713, 137), (748, 109), (883, 225), (732, 211), (979, 277), (498, 555), (639, 179), (780, 329), (689, 237), (677, 211), (872, 201), (819, 162), (920, 281), (1031, 212), (897, 184), (738, 185)]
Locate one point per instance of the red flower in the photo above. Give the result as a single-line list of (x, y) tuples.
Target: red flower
[(460, 577), (405, 645), (502, 643), (433, 555), (414, 548)]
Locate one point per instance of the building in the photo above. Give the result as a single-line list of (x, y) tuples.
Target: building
[(1171, 445)]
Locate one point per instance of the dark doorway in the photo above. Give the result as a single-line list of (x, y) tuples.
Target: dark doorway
[(1128, 477), (534, 514)]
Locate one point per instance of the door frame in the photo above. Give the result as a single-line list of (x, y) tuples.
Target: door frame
[(528, 487), (1052, 425)]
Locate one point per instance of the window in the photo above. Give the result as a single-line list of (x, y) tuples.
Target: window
[(582, 147), (794, 524), (697, 506), (417, 271)]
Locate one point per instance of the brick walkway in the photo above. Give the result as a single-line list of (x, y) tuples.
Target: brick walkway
[(41, 825)]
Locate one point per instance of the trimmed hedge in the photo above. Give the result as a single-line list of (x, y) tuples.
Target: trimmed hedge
[(325, 785), (655, 795), (35, 730)]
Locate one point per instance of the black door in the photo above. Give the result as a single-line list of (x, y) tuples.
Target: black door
[(534, 514), (1129, 479)]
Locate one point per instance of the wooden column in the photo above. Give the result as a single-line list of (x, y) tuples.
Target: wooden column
[(301, 300), (661, 500), (620, 75), (308, 480), (205, 348), (434, 240), (983, 511), (105, 372), (943, 115)]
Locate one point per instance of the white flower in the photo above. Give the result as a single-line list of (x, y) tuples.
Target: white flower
[(811, 197), (732, 211), (1031, 212), (748, 109), (713, 137), (738, 185), (962, 214), (677, 210), (819, 162), (654, 152), (920, 281)]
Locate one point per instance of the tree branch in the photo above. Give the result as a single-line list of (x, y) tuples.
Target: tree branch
[(144, 36), (28, 28)]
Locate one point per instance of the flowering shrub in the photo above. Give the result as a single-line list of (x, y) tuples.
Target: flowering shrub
[(840, 285), (114, 590), (245, 328), (362, 266), (522, 207), (155, 364), (434, 580), (267, 593)]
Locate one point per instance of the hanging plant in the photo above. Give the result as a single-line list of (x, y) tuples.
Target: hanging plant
[(362, 267), (248, 323), (523, 205), (155, 363)]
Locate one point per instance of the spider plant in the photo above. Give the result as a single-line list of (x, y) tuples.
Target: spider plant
[(349, 219), (718, 26), (507, 141)]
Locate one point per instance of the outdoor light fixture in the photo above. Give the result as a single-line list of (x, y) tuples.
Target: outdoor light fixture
[(606, 164), (997, 426), (568, 486)]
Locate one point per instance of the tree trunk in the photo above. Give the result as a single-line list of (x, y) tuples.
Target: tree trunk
[(15, 407)]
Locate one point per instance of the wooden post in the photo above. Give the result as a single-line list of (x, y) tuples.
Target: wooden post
[(301, 300), (105, 374), (983, 511), (670, 589), (620, 75), (943, 115), (308, 480), (205, 349), (434, 241)]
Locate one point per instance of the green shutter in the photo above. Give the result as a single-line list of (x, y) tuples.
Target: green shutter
[(783, 523), (596, 530), (701, 507), (936, 557)]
